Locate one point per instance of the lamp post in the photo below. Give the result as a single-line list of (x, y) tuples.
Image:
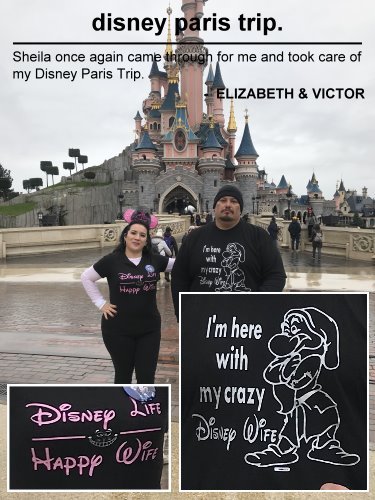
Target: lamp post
[(253, 198), (289, 195), (120, 199), (40, 218), (207, 206)]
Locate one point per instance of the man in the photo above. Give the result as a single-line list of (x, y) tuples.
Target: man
[(295, 232), (227, 254)]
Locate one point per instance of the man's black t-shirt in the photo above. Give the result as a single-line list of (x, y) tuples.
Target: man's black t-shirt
[(85, 438), (132, 288), (273, 391), (241, 259)]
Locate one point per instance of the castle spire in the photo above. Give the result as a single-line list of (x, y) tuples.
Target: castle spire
[(246, 147), (168, 49), (232, 126)]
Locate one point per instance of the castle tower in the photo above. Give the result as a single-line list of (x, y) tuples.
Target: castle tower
[(283, 186), (316, 197), (147, 165), (342, 192), (191, 45), (138, 126), (211, 167), (180, 144), (153, 120), (218, 103), (158, 82), (210, 97), (168, 107), (247, 168), (336, 198)]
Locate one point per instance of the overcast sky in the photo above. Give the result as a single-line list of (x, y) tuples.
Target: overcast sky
[(41, 119)]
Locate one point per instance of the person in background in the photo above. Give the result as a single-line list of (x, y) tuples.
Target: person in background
[(159, 245), (273, 230), (311, 221), (171, 244), (295, 232), (317, 241), (131, 323)]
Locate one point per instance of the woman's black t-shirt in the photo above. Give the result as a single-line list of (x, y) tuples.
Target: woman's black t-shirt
[(85, 438), (132, 288)]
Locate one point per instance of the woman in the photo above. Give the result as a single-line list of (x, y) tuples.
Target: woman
[(131, 321), (317, 240)]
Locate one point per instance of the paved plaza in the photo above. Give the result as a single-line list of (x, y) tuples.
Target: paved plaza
[(50, 331)]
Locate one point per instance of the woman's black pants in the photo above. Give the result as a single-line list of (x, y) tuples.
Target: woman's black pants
[(129, 353)]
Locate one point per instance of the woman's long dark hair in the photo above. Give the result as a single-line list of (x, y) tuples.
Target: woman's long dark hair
[(121, 246)]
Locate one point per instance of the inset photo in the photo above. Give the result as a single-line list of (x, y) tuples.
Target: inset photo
[(274, 392), (88, 437)]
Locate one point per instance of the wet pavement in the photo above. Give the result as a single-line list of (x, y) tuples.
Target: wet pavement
[(50, 331)]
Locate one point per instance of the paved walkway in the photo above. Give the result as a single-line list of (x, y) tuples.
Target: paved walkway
[(50, 331)]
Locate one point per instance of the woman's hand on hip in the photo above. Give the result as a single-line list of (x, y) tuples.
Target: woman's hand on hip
[(109, 310)]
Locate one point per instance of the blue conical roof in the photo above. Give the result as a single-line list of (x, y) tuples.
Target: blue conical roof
[(246, 147), (138, 116), (282, 184), (211, 141), (146, 142), (229, 164), (210, 76), (315, 189), (169, 103), (155, 71), (218, 79)]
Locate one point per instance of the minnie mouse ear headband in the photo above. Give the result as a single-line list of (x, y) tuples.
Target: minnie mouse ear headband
[(140, 217)]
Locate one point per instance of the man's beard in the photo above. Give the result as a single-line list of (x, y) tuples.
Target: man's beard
[(227, 217)]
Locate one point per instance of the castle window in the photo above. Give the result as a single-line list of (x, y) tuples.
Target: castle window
[(155, 126), (141, 189), (215, 183), (171, 121), (150, 126), (179, 140)]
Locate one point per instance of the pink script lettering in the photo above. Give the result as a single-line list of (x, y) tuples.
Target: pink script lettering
[(66, 464), (47, 415)]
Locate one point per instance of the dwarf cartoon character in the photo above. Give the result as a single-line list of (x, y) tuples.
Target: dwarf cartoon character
[(308, 343), (233, 255)]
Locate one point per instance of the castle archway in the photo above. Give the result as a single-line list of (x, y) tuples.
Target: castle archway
[(177, 199)]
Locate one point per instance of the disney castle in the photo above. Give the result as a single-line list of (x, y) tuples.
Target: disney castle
[(184, 148)]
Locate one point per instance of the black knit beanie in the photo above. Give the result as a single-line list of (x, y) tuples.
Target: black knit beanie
[(229, 190)]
